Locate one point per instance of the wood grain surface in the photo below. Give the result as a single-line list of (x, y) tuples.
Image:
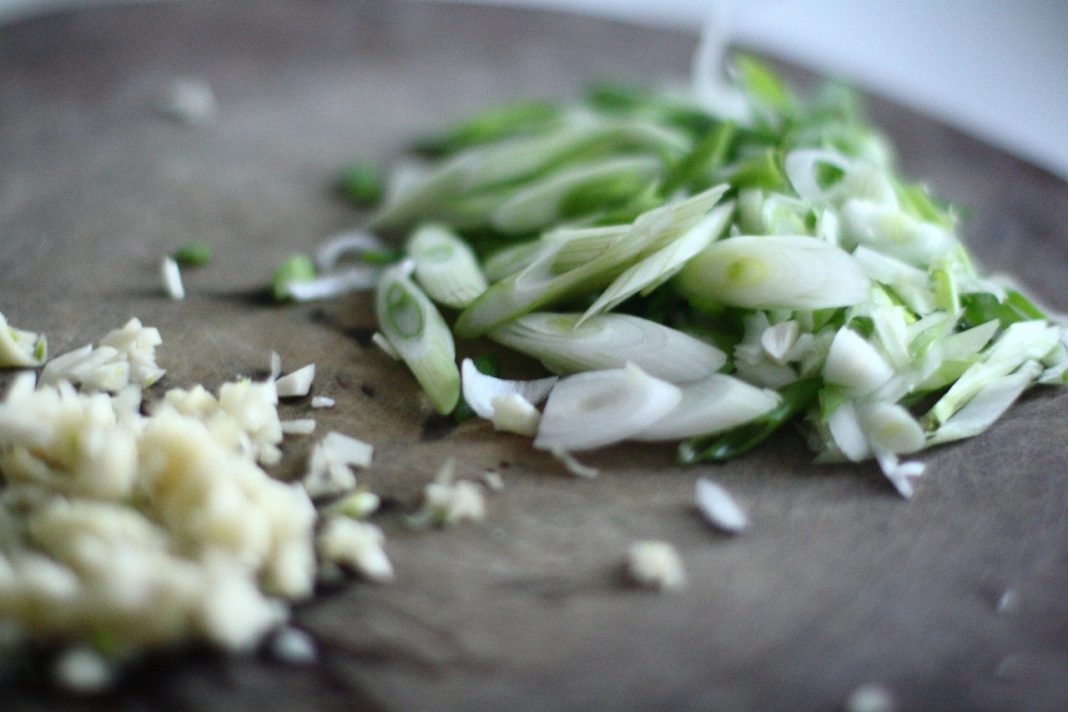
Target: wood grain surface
[(838, 583)]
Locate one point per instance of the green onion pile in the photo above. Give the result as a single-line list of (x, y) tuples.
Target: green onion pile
[(701, 267)]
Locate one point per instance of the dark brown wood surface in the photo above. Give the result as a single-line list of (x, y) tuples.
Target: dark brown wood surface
[(838, 583)]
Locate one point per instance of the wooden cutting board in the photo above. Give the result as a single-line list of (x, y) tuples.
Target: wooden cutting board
[(839, 582)]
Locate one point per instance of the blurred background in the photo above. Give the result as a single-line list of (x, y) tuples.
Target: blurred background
[(998, 70)]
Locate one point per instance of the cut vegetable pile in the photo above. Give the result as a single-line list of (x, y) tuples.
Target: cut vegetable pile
[(702, 267)]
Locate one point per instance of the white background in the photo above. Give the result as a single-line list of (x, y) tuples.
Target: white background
[(996, 68)]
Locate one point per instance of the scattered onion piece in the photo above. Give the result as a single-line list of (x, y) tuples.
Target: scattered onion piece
[(172, 279), (480, 389), (718, 507)]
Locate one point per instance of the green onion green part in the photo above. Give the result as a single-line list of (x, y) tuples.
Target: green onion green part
[(298, 268), (194, 254)]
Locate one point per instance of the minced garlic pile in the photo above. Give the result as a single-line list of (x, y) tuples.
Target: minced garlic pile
[(121, 531)]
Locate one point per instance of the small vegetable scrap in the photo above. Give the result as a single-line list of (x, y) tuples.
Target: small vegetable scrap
[(448, 501), (701, 267), (656, 565)]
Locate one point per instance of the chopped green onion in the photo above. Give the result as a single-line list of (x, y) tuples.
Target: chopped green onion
[(710, 406), (493, 125), (480, 389), (445, 266), (854, 364), (469, 176), (416, 330), (561, 194), (663, 264), (298, 268), (773, 272), (361, 184), (194, 254), (826, 275), (796, 397), (565, 345), (597, 408), (707, 155), (763, 86), (485, 364), (537, 286), (1021, 342)]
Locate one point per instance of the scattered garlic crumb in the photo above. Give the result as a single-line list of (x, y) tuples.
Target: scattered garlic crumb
[(296, 384), (379, 339), (493, 480), (871, 697), (572, 465), (299, 426), (82, 671), (655, 564), (512, 413), (190, 101), (358, 505), (357, 545), (19, 348), (293, 646), (447, 502), (171, 275), (718, 507), (330, 464), (322, 402)]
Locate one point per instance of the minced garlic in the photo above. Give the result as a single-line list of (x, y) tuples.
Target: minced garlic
[(151, 530), (19, 348)]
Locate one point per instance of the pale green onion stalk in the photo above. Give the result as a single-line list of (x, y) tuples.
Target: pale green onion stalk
[(854, 364), (490, 167), (987, 405), (597, 408), (446, 266), (538, 286), (607, 341), (511, 259), (712, 405), (1022, 342), (539, 204), (773, 272), (574, 247), (663, 264), (416, 330)]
